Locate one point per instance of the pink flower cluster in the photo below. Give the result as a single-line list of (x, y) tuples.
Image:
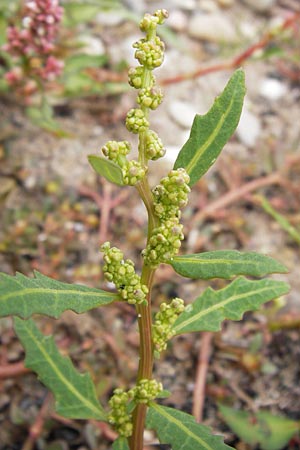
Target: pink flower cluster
[(34, 42)]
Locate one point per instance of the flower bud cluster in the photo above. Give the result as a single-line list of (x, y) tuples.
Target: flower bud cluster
[(164, 319), (35, 40), (149, 21), (146, 390), (149, 53), (119, 417), (116, 151), (136, 121), (154, 148), (122, 273), (150, 98), (169, 196)]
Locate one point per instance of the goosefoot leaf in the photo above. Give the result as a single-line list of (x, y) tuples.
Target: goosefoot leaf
[(268, 431), (180, 430), (225, 264), (211, 131), (212, 307), (120, 444), (74, 392), (22, 296), (107, 169)]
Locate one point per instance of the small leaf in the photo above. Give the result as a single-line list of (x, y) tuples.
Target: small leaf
[(74, 392), (76, 13), (180, 430), (107, 169), (43, 117), (82, 61), (212, 307), (23, 296), (264, 429), (210, 132), (225, 264), (120, 444), (280, 219)]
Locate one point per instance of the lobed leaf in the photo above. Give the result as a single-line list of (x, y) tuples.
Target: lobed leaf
[(180, 430), (268, 431), (120, 444), (74, 392), (23, 296), (225, 264), (211, 131), (108, 169), (212, 307)]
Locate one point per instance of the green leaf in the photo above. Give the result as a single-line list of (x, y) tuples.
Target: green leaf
[(264, 429), (23, 296), (76, 13), (180, 430), (83, 61), (42, 116), (212, 307), (120, 444), (225, 264), (107, 169), (210, 132), (280, 219), (74, 392)]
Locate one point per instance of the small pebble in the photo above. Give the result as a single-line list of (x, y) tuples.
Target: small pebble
[(249, 128), (212, 27), (272, 89), (92, 45), (182, 112), (260, 5), (177, 20)]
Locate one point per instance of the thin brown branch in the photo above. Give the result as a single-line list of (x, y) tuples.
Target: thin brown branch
[(236, 194), (37, 428), (238, 60), (13, 370), (200, 382)]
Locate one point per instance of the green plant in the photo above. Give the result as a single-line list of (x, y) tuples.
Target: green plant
[(131, 410)]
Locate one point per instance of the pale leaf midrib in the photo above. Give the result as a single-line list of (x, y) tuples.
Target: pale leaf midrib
[(210, 139), (60, 375), (216, 306), (200, 260), (29, 291), (180, 425)]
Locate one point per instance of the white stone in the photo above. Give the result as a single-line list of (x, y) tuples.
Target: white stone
[(92, 45), (272, 89), (212, 27), (182, 112), (260, 5), (109, 18), (189, 5), (208, 6), (249, 128), (177, 20)]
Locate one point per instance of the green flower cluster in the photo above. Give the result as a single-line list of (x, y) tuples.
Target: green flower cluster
[(116, 151), (122, 273), (164, 319), (146, 390), (119, 417), (150, 54), (154, 148), (169, 196)]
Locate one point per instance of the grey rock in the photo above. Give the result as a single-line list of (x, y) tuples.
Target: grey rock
[(272, 89), (212, 27), (260, 5), (249, 128), (182, 113)]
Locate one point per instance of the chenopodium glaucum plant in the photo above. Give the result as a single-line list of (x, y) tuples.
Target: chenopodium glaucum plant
[(130, 411)]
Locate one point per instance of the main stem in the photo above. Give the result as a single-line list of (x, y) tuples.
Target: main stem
[(145, 324)]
